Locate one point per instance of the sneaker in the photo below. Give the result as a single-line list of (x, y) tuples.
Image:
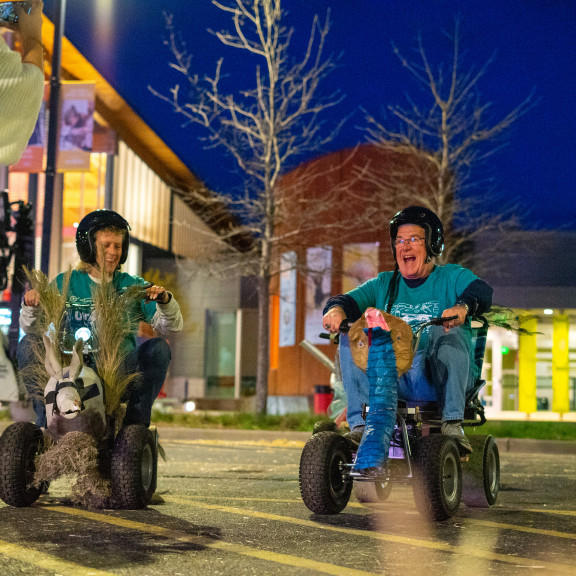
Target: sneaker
[(355, 435), (372, 473), (455, 431)]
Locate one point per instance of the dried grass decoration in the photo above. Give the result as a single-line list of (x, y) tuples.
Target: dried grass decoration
[(112, 323), (75, 457), (50, 319)]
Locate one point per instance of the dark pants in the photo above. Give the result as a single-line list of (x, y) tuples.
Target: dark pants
[(150, 360)]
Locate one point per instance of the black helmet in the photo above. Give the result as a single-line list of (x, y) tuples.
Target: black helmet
[(90, 224), (424, 218)]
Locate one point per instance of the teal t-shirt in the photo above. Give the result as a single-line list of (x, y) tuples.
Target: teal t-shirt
[(416, 305), (81, 305)]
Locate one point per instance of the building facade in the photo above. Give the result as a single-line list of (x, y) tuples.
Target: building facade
[(526, 375), (134, 173)]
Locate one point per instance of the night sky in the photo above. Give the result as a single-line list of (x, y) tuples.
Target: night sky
[(534, 42)]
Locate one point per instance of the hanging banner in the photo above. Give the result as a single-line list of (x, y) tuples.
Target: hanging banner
[(76, 130), (32, 159), (288, 299), (359, 264), (318, 290)]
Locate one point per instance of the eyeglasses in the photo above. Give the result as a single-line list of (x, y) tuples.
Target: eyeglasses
[(412, 241)]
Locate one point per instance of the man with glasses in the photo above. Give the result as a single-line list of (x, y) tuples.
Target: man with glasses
[(417, 290)]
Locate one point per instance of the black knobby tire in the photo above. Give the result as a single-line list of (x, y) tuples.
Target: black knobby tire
[(325, 426), (437, 482), (20, 443), (481, 474), (325, 484), (134, 467)]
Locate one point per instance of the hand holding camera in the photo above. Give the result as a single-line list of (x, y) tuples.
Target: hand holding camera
[(25, 17), (10, 12)]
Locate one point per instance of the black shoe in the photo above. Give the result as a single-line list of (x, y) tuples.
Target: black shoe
[(372, 473), (355, 436)]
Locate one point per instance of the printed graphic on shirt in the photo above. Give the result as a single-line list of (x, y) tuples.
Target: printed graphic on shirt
[(414, 314)]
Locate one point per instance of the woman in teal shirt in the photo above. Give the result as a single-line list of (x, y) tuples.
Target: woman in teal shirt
[(102, 241)]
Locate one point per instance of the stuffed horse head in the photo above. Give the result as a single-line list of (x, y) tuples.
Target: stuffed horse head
[(73, 395), (66, 401)]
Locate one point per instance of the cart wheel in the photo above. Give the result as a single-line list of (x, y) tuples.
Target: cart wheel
[(481, 474), (134, 467), (20, 443), (325, 426), (437, 477), (372, 492), (325, 484)]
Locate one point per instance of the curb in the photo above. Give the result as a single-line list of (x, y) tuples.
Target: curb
[(532, 446)]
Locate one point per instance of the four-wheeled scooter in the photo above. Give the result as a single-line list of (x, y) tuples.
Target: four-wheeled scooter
[(441, 475)]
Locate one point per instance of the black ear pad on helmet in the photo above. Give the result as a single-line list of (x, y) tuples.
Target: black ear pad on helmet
[(92, 223), (424, 218)]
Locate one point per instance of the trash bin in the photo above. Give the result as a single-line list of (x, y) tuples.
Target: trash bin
[(322, 397)]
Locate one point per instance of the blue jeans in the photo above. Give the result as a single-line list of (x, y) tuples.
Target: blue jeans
[(442, 372), (150, 360), (356, 384)]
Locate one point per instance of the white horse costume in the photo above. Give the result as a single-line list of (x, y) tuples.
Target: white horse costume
[(73, 396)]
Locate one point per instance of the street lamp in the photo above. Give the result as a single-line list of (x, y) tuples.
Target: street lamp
[(52, 147)]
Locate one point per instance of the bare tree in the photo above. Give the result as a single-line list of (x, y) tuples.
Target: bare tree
[(433, 154), (266, 128)]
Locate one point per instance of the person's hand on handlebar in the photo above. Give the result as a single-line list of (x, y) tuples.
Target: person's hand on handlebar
[(333, 318), (158, 294), (459, 311), (32, 298)]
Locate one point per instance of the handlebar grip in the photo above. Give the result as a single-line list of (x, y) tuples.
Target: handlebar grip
[(441, 319), (345, 326)]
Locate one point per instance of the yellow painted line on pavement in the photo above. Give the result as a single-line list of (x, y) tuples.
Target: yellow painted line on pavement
[(46, 561), (280, 500), (559, 512), (518, 528), (467, 551), (277, 443), (181, 536)]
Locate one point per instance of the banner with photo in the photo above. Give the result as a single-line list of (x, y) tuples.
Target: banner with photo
[(288, 278), (318, 290), (76, 129), (32, 159), (359, 263)]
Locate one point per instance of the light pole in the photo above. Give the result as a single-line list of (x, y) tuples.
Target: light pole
[(54, 120)]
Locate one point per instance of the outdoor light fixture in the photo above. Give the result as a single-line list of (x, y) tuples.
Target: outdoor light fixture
[(548, 311), (189, 406)]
